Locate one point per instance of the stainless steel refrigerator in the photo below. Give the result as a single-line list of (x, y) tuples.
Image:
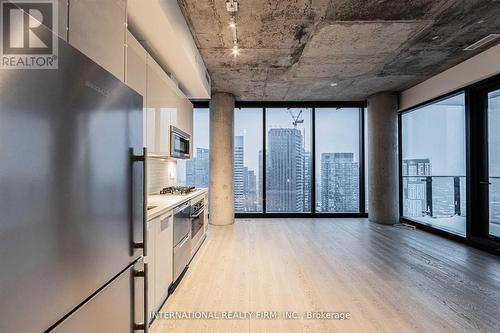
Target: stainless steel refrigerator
[(71, 200)]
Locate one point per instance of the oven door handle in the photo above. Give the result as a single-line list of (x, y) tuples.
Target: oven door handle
[(198, 213)]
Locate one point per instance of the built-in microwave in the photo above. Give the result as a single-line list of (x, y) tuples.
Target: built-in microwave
[(179, 143)]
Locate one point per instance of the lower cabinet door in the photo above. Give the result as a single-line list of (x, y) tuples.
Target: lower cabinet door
[(163, 258), (152, 227), (114, 309)]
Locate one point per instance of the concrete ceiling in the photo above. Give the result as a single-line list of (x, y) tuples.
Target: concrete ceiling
[(291, 50)]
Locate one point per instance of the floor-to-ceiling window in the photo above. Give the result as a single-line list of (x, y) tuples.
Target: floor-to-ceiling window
[(494, 162), (195, 172), (434, 164), (248, 150), (288, 160), (337, 143), (298, 159)]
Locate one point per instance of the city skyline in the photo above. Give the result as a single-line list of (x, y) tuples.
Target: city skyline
[(289, 182)]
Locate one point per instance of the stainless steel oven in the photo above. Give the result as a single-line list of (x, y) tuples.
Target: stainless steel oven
[(179, 143), (198, 215)]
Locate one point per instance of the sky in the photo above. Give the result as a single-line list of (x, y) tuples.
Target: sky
[(437, 132)]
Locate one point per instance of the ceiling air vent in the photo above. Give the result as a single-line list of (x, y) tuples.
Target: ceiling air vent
[(480, 43)]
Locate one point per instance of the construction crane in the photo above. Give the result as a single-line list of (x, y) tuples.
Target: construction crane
[(295, 118)]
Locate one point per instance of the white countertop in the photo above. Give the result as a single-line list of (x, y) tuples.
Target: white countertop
[(166, 202)]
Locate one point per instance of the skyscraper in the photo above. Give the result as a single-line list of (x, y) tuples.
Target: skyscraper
[(339, 183), (250, 190), (197, 168), (414, 189), (260, 188), (245, 181), (306, 196), (285, 170), (239, 175)]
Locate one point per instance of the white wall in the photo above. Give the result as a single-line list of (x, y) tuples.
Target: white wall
[(475, 69)]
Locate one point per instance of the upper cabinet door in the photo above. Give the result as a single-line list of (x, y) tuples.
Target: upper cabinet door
[(97, 28), (136, 73), (185, 115), (163, 100), (62, 19)]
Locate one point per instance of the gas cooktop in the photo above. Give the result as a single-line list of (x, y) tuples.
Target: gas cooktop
[(178, 190)]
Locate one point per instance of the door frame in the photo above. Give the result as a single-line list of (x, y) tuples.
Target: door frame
[(479, 144)]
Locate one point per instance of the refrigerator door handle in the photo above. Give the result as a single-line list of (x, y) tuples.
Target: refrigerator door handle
[(144, 326), (143, 158)]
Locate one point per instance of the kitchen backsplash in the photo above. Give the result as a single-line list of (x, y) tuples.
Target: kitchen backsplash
[(161, 173)]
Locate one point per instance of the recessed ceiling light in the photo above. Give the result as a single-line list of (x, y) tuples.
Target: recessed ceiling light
[(235, 50), (334, 84)]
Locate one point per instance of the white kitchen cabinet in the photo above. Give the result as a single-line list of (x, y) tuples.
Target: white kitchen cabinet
[(97, 28), (151, 244), (149, 129), (164, 103), (136, 69), (184, 118), (163, 257), (136, 78), (62, 22), (160, 259), (163, 99), (163, 136)]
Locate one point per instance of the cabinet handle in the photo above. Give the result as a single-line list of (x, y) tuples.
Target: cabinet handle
[(184, 241)]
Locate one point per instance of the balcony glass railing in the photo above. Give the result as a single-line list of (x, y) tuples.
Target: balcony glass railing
[(437, 201), (494, 195)]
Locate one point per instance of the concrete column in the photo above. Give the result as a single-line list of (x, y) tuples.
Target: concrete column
[(221, 159), (382, 158)]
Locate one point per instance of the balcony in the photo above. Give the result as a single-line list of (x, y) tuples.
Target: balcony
[(436, 201)]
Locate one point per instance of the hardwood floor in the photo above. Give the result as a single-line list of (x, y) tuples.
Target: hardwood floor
[(390, 279)]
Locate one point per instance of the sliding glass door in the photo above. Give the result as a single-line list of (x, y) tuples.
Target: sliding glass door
[(434, 165), (450, 164), (493, 182)]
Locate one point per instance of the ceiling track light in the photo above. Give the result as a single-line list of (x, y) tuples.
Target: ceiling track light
[(232, 8)]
